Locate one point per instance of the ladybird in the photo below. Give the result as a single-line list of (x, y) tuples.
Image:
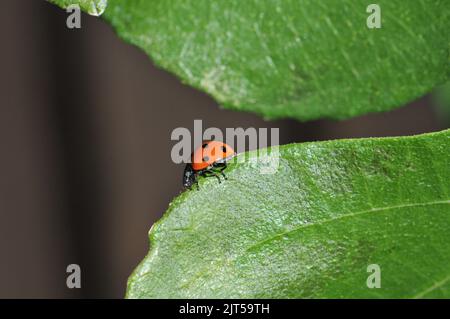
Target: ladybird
[(208, 160)]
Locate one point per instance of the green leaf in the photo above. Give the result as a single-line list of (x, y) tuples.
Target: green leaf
[(311, 229), (93, 7), (441, 99), (304, 59)]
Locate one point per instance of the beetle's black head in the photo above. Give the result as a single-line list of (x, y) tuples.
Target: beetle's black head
[(189, 176)]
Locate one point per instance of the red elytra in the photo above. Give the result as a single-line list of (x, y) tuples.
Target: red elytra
[(209, 153)]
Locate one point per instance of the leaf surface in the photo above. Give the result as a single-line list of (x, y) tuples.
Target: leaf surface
[(304, 59), (93, 7), (311, 229)]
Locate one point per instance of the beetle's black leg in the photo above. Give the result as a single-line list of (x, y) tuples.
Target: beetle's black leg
[(218, 177), (221, 169), (209, 173)]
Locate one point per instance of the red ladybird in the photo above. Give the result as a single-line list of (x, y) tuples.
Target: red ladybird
[(208, 160)]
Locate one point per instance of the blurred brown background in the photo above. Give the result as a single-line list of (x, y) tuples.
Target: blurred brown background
[(85, 168)]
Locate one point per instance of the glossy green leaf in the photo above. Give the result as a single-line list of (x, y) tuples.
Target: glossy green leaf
[(441, 100), (311, 229), (93, 7), (304, 59)]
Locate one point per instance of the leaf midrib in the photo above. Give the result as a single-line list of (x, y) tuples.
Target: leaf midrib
[(433, 287), (375, 209), (372, 210)]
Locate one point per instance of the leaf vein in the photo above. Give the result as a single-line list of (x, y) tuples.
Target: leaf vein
[(375, 209), (432, 288)]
